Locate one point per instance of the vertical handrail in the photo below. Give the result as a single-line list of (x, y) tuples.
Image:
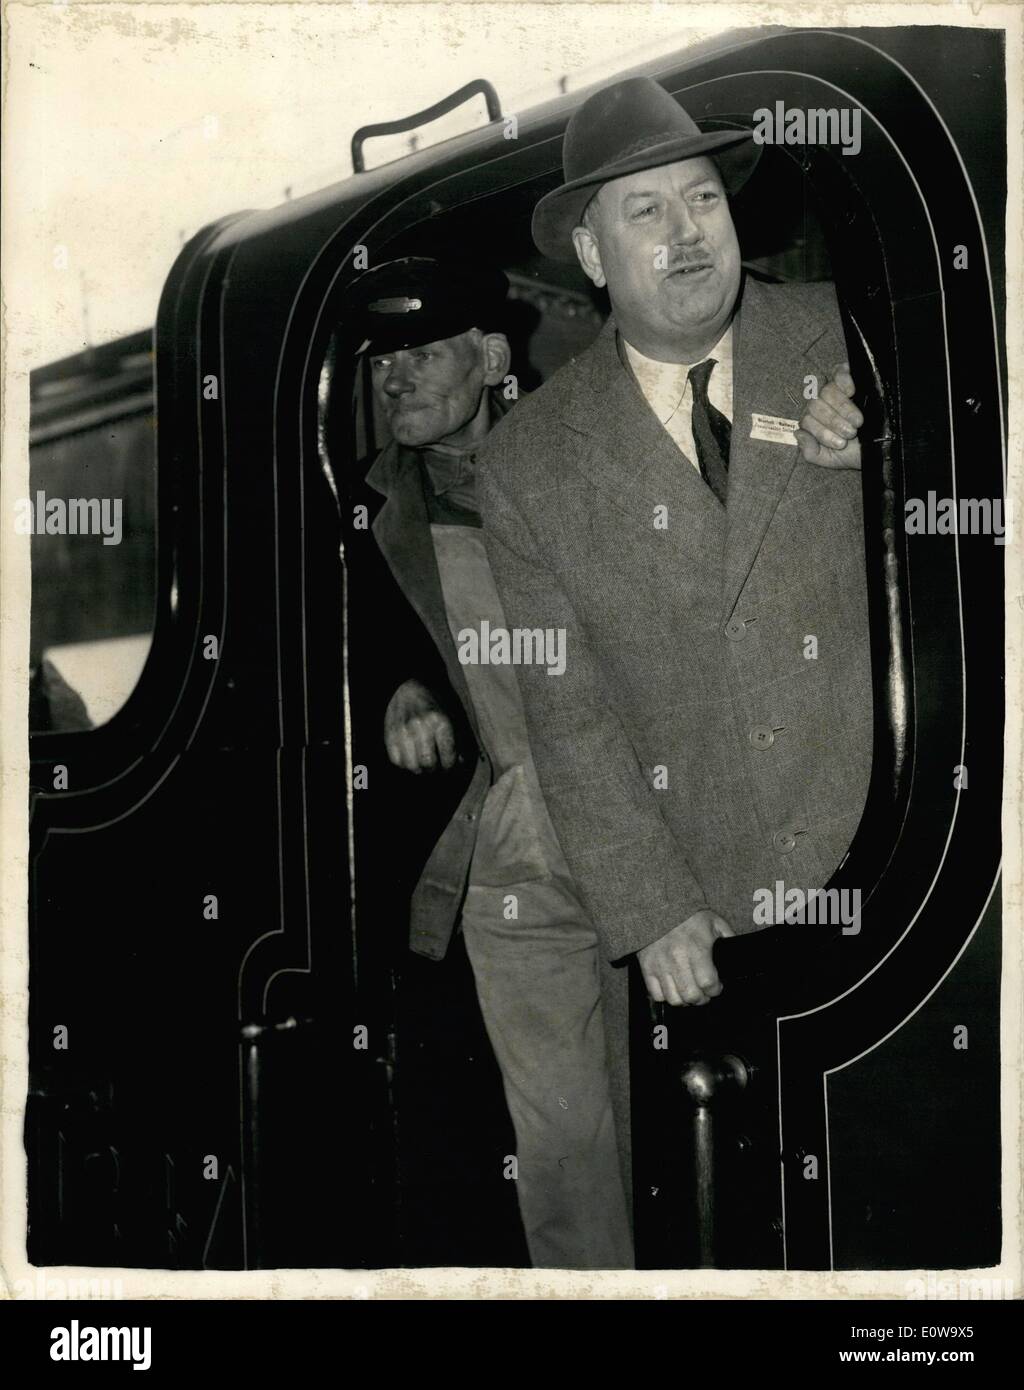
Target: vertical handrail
[(251, 1243), (704, 1081)]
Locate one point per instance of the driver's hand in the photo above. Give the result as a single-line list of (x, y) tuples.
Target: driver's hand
[(417, 733)]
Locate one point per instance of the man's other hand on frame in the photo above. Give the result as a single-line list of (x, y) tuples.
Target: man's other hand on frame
[(417, 733), (678, 967), (827, 434)]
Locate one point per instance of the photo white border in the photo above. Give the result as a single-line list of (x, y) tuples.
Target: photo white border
[(21, 1280)]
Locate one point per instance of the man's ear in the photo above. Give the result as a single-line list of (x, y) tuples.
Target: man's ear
[(588, 253), (497, 358)]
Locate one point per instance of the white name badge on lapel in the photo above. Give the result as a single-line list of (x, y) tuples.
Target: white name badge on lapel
[(773, 429)]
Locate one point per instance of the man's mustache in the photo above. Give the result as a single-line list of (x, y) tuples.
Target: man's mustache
[(689, 263)]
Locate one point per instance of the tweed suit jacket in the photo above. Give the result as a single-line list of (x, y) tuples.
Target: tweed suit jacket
[(698, 747)]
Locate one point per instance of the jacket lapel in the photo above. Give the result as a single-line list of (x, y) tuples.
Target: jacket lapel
[(770, 342), (402, 530), (631, 457)]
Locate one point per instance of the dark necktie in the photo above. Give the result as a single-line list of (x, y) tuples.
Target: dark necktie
[(711, 432)]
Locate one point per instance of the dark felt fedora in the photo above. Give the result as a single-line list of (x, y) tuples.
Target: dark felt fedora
[(621, 129)]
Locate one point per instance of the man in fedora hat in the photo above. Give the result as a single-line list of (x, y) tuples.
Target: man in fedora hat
[(701, 547), (438, 361)]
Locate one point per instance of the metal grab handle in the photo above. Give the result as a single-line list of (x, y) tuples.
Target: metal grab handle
[(478, 87), (704, 1079)]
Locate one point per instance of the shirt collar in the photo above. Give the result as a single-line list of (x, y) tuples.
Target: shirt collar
[(650, 366), (666, 384), (451, 468)]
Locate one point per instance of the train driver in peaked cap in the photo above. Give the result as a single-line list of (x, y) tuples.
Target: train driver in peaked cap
[(432, 333)]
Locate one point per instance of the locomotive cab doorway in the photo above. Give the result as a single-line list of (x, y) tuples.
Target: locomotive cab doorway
[(803, 217)]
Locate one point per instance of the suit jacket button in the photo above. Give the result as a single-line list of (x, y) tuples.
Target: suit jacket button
[(784, 841), (735, 629), (761, 736)]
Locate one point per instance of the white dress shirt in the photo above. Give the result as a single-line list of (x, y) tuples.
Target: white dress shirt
[(667, 388)]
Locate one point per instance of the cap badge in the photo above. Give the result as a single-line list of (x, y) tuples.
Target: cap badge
[(400, 305)]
